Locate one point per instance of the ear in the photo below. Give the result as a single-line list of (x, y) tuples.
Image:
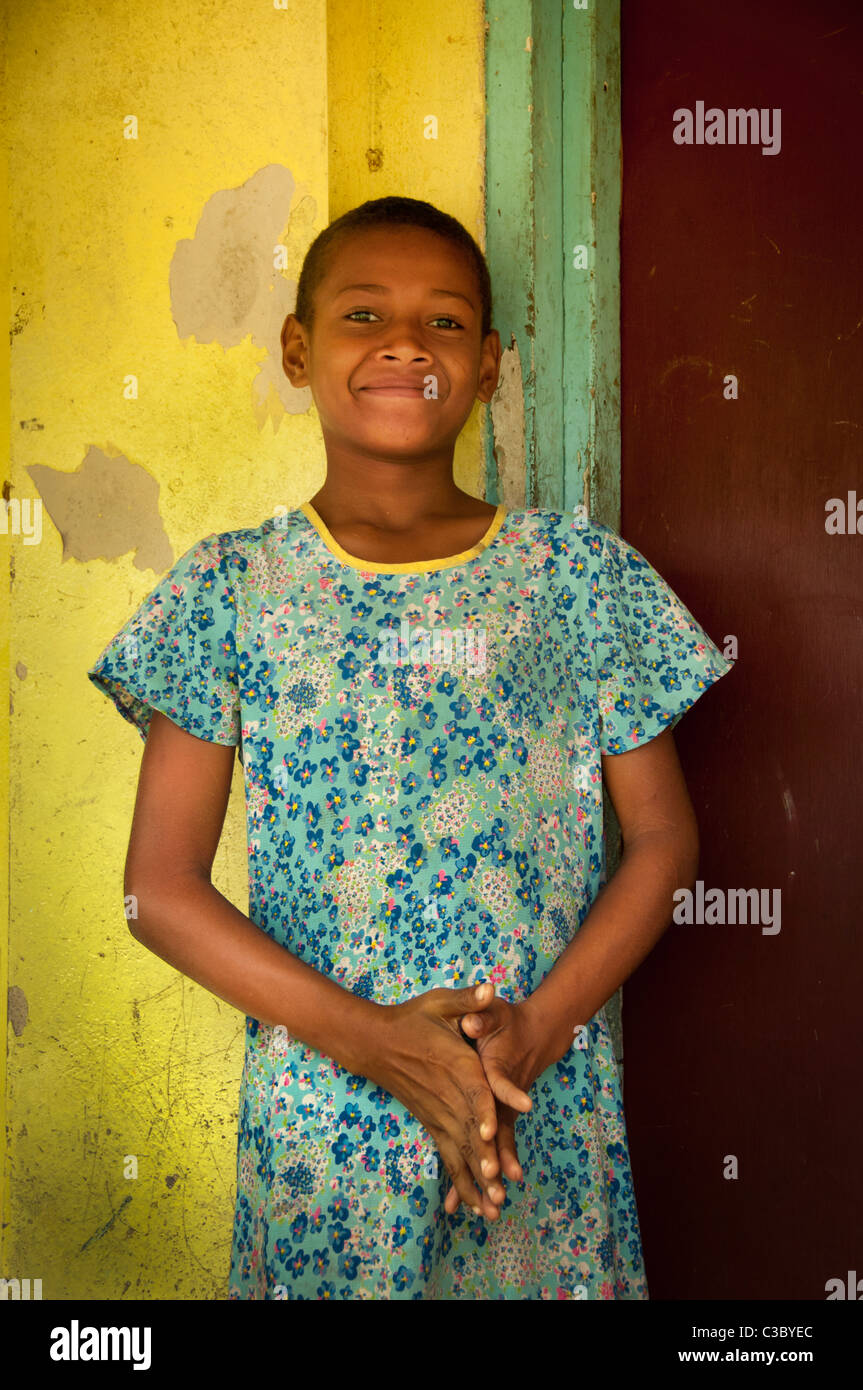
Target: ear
[(489, 366), (294, 349)]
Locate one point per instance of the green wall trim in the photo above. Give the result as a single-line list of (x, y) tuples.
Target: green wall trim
[(553, 171), (553, 183)]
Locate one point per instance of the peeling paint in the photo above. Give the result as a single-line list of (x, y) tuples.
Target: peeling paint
[(17, 1010), (107, 508), (225, 286), (22, 317), (507, 418)]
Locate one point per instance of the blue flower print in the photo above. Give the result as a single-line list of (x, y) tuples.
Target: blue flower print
[(415, 827)]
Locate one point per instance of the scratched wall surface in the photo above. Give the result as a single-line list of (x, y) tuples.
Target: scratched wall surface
[(148, 410)]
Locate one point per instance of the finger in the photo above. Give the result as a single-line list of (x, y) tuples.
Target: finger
[(506, 1145), (504, 1089), (483, 1156), (509, 1163), (452, 1003), (474, 1105), (452, 1202), (491, 1172), (476, 1024), (468, 1039), (493, 1194), (490, 1209), (475, 1110), (470, 1149), (460, 1177), (496, 1174)]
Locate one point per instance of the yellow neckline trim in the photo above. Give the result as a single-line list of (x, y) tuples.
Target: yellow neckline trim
[(402, 567)]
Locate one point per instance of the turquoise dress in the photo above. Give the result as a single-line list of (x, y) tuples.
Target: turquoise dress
[(421, 751)]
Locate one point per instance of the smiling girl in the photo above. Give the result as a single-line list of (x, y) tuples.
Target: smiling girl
[(419, 821)]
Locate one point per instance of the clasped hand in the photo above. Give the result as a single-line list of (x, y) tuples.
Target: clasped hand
[(466, 1097), (505, 1044)]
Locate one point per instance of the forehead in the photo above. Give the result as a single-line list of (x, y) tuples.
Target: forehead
[(387, 254)]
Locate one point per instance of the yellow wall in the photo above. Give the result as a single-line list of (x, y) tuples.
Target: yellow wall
[(151, 258)]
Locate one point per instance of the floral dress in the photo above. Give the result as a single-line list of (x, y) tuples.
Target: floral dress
[(421, 750)]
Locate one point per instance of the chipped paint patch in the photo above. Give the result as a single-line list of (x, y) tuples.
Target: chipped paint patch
[(107, 508), (225, 285), (17, 1009), (507, 419)]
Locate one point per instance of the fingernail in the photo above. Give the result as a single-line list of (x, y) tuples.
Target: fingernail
[(486, 1166), (475, 1210)]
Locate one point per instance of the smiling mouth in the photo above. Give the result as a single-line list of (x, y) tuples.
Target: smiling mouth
[(393, 390)]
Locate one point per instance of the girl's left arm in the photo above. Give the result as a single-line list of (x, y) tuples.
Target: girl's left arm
[(628, 916)]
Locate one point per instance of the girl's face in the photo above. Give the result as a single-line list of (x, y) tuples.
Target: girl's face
[(395, 359)]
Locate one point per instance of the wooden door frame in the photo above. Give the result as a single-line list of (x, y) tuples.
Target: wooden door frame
[(553, 184), (553, 202)]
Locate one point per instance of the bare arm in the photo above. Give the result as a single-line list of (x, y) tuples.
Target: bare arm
[(660, 855), (183, 792)]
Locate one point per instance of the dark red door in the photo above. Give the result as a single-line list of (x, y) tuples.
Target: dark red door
[(740, 1043)]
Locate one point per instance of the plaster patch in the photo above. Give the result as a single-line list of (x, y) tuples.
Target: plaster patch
[(16, 1009), (108, 507), (225, 285)]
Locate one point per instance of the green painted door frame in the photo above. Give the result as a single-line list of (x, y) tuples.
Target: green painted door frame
[(553, 197), (553, 173)]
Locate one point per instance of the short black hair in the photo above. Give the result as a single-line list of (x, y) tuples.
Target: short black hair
[(387, 212)]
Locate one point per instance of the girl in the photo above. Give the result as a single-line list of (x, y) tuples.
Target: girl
[(427, 693)]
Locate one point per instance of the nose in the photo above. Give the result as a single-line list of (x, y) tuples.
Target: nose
[(404, 343)]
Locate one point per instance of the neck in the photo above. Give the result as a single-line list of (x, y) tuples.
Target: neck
[(399, 504)]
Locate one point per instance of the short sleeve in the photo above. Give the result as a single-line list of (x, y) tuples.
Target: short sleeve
[(177, 653), (653, 661)]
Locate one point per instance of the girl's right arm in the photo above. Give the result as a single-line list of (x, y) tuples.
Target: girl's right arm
[(414, 1050)]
